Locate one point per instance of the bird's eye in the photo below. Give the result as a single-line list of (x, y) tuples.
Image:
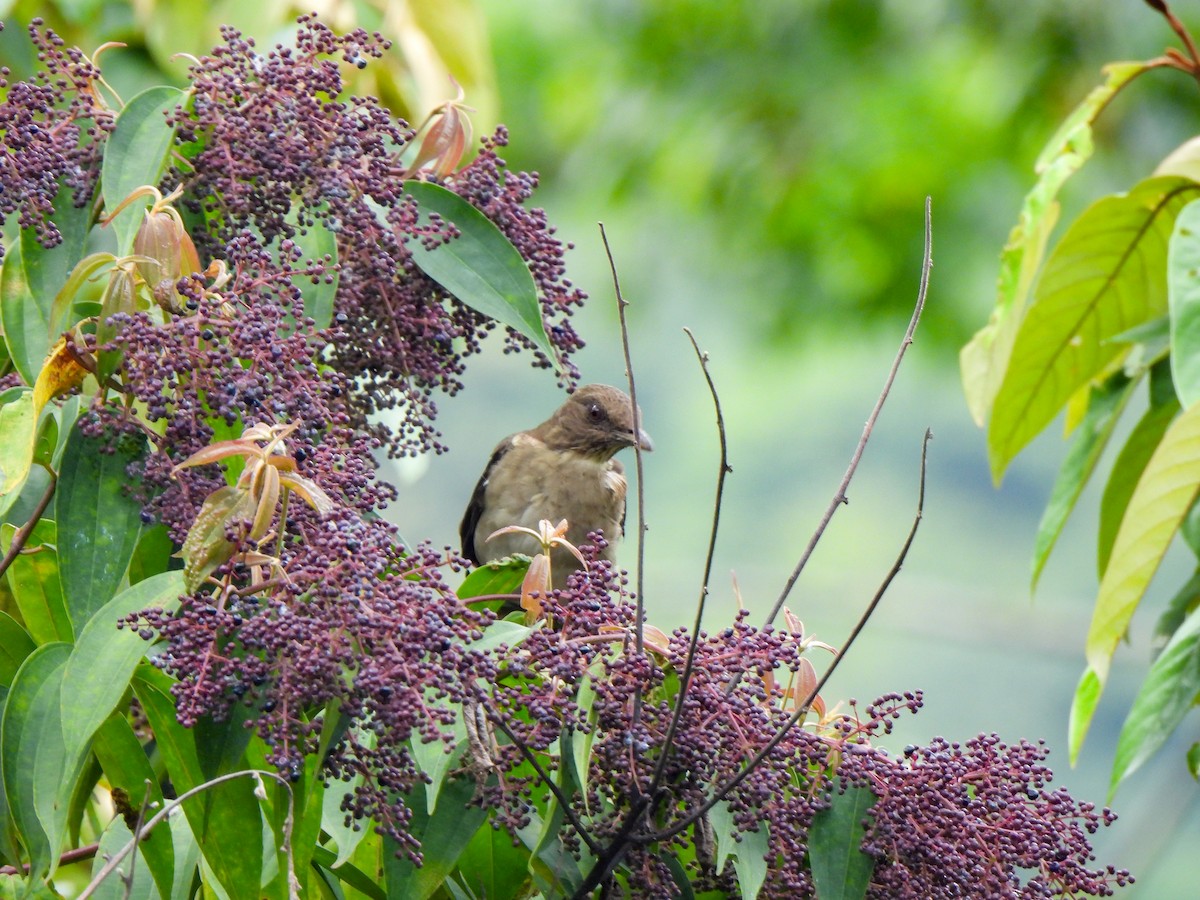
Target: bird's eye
[(596, 412)]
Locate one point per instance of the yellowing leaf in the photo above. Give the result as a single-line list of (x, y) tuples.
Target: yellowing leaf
[(984, 359), (1107, 275), (1163, 495), (61, 372)]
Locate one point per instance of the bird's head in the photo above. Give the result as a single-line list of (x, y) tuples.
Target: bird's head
[(597, 420)]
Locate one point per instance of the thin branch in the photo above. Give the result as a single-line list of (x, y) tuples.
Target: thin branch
[(639, 599), (154, 820), (839, 498), (137, 831), (540, 771), (69, 856), (689, 662), (798, 716), (1184, 35), (22, 535)]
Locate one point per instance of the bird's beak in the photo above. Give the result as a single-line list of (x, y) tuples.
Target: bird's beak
[(643, 441)]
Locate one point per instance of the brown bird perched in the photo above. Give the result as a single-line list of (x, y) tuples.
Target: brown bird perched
[(563, 469)]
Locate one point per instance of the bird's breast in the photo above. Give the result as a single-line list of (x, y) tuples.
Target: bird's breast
[(536, 483)]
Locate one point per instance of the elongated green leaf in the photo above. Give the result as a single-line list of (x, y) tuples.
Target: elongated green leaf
[(984, 359), (1179, 607), (1083, 708), (226, 819), (1091, 437), (31, 278), (480, 267), (750, 861), (840, 869), (502, 578), (34, 581), (435, 761), (1105, 276), (319, 244), (1126, 470), (127, 769), (443, 837), (493, 867), (104, 658), (31, 743), (1164, 494), (352, 876), (15, 645), (1183, 292), (98, 520), (136, 154), (17, 425), (1166, 696), (345, 835), (1162, 497)]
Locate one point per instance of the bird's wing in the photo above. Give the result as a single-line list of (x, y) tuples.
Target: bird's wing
[(474, 511), (615, 466)]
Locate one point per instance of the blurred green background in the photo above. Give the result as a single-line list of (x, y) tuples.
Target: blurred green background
[(761, 169)]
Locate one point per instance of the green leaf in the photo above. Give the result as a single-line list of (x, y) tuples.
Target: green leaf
[(348, 874), (1193, 760), (98, 520), (492, 867), (750, 861), (126, 767), (1165, 493), (1091, 437), (34, 581), (113, 887), (1166, 696), (1183, 293), (1105, 276), (346, 835), (840, 869), (480, 267), (104, 657), (499, 578), (1127, 469), (443, 836), (136, 154), (17, 426), (31, 278), (434, 759), (1186, 599), (15, 645), (319, 244), (1083, 708), (984, 359), (226, 819), (31, 751)]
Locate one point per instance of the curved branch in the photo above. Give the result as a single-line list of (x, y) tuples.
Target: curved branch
[(839, 497)]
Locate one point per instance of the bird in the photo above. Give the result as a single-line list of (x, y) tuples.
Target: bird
[(562, 469)]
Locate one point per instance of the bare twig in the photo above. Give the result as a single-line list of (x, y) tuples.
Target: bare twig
[(839, 497), (639, 599), (1184, 35), (685, 679), (137, 831), (540, 771), (69, 856), (22, 535), (799, 715), (158, 817)]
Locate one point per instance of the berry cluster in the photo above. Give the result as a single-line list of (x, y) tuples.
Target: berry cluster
[(275, 149), (51, 129), (310, 606), (950, 820)]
